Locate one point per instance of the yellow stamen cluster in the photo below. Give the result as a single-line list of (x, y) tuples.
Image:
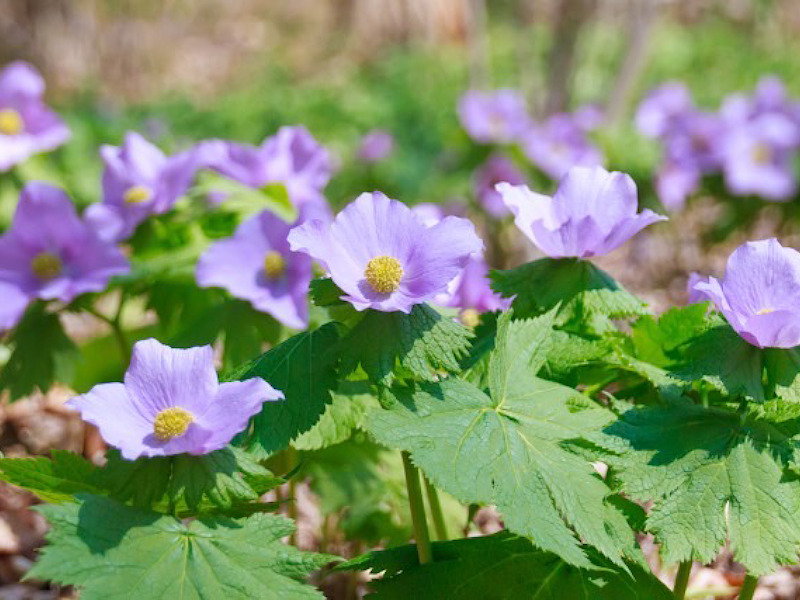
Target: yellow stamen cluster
[(171, 423), (10, 122), (274, 265), (470, 317), (384, 273), (765, 311), (46, 266), (762, 154), (138, 194)]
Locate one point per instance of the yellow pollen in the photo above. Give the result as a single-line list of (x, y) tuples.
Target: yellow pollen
[(765, 311), (171, 423), (762, 154), (46, 266), (384, 273), (138, 194), (10, 122), (470, 317), (274, 265)]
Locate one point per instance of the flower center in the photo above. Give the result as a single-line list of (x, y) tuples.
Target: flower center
[(10, 122), (765, 311), (137, 194), (762, 154), (46, 266), (470, 317), (384, 273), (274, 265), (171, 423)]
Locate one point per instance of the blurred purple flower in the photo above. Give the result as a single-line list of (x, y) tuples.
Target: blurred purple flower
[(172, 403), (138, 181), (589, 116), (471, 290), (759, 158), (496, 169), (657, 114), (559, 144), (291, 157), (428, 212), (760, 293), (675, 183), (27, 125), (49, 253), (383, 256), (375, 146), (256, 265), (593, 212), (494, 117)]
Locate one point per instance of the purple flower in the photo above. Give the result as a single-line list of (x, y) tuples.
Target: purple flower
[(49, 253), (428, 212), (383, 256), (675, 182), (256, 265), (495, 170), (27, 125), (659, 111), (138, 181), (171, 403), (760, 293), (696, 295), (291, 157), (559, 144), (493, 117), (759, 156), (471, 292), (593, 212), (375, 146)]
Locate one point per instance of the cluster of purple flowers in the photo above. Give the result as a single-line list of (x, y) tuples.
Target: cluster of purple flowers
[(552, 145), (752, 141)]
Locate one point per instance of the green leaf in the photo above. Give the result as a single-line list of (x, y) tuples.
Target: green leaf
[(587, 296), (783, 372), (423, 343), (723, 359), (42, 354), (508, 447), (112, 551), (713, 476), (226, 479), (500, 566), (55, 479), (657, 341), (304, 369), (341, 418), (247, 201)]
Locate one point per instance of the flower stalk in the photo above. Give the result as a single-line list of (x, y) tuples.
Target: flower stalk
[(417, 507)]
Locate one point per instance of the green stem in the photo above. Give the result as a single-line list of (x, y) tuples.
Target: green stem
[(291, 458), (115, 323), (417, 507), (748, 587), (436, 510), (682, 580)]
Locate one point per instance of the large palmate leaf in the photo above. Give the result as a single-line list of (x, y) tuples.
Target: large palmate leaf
[(304, 369), (424, 343), (587, 296), (227, 481), (112, 551), (723, 359), (714, 475), (55, 479), (497, 567), (351, 401), (507, 447)]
